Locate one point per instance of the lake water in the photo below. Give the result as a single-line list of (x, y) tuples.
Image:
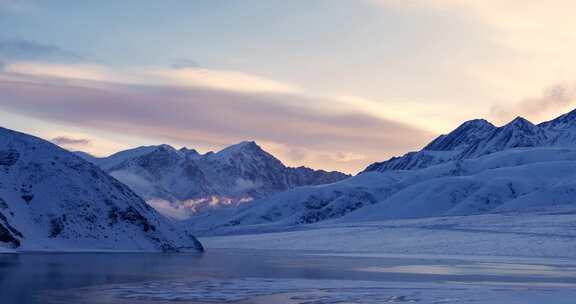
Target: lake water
[(250, 276)]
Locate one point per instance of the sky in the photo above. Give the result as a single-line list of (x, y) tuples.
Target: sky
[(332, 84)]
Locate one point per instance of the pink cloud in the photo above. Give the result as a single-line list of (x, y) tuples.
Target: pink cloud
[(218, 117)]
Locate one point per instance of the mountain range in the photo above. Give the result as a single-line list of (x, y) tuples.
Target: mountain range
[(194, 182), (479, 137), (477, 168), (53, 199)]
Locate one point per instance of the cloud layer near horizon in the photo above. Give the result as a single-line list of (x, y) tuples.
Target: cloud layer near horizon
[(72, 142), (556, 99), (300, 129)]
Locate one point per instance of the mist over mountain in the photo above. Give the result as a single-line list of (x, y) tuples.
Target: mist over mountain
[(181, 182)]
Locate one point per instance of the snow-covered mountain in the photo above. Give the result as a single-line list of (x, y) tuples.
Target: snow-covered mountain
[(192, 181), (478, 168), (479, 137), (513, 180), (51, 199)]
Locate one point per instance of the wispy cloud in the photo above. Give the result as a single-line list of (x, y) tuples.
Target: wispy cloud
[(184, 63), (525, 46), (324, 131), (184, 77), (553, 101), (67, 141), (175, 211), (21, 49)]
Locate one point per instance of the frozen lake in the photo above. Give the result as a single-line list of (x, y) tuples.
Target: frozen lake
[(260, 276)]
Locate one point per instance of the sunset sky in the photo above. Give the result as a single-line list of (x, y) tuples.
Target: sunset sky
[(333, 84)]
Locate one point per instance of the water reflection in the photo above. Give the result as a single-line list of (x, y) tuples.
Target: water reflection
[(118, 278), (23, 274), (485, 269)]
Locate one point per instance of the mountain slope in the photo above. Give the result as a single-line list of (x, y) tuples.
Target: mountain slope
[(517, 179), (50, 199), (193, 182)]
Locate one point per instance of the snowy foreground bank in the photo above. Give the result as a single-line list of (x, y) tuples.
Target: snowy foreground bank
[(535, 234)]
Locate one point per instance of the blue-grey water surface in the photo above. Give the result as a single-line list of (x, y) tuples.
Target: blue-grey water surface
[(66, 277)]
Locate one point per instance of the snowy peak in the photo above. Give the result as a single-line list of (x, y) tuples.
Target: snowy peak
[(165, 147), (189, 152), (521, 124), (247, 156), (475, 125), (162, 157), (466, 133), (517, 133), (116, 158), (242, 148), (243, 145), (479, 137)]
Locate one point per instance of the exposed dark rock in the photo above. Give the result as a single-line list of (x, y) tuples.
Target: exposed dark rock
[(9, 157), (7, 237)]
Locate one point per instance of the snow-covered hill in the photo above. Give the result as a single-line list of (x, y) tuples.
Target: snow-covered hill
[(51, 199), (477, 169), (191, 182)]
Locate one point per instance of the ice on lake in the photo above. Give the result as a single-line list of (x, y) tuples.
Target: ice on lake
[(257, 276)]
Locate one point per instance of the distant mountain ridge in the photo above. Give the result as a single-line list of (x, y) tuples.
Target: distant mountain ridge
[(236, 174), (50, 199), (479, 137), (477, 168)]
